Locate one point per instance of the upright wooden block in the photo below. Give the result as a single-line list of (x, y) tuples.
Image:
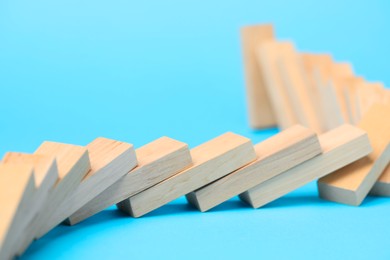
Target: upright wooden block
[(351, 184), (260, 111), (45, 175), (368, 94), (157, 161), (16, 193), (274, 156), (341, 146), (73, 164), (211, 161), (110, 161), (268, 55)]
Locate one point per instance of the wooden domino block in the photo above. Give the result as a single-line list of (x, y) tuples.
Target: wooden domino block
[(45, 175), (110, 161), (73, 164), (260, 110), (211, 161), (274, 156), (350, 86), (351, 184), (157, 161), (16, 193), (268, 55), (368, 94), (341, 146)]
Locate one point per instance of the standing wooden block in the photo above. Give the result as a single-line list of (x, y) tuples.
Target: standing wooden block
[(341, 146), (16, 193), (368, 94), (268, 55), (211, 161), (45, 175), (274, 156), (110, 160), (73, 164), (351, 184), (157, 161), (260, 111)]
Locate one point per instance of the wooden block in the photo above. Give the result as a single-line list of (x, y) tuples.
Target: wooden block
[(368, 94), (45, 175), (351, 98), (382, 185), (157, 161), (16, 193), (73, 164), (341, 146), (260, 111), (274, 156), (351, 184), (211, 161), (110, 161), (268, 54)]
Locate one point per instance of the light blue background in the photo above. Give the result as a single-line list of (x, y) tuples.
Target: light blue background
[(71, 71)]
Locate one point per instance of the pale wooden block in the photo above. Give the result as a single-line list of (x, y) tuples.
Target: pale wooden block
[(351, 184), (368, 94), (16, 193), (45, 175), (351, 98), (274, 156), (73, 164), (342, 69), (382, 185), (211, 161), (110, 161), (260, 111), (341, 146), (268, 54), (157, 161)]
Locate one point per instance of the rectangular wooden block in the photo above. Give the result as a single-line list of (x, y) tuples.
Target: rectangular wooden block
[(16, 193), (73, 164), (260, 111), (351, 184), (110, 160), (341, 146), (45, 175), (274, 156), (157, 161), (211, 161)]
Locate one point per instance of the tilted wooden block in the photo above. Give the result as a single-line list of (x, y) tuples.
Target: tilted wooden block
[(351, 184), (45, 175), (260, 111), (157, 161), (382, 185), (73, 164), (16, 193), (341, 146), (274, 156), (211, 161), (368, 94), (110, 160)]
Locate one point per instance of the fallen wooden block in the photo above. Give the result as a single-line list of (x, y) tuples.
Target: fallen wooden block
[(211, 161), (110, 161), (157, 161), (260, 111), (45, 175), (351, 184), (341, 146), (73, 164), (274, 156), (16, 193), (382, 185)]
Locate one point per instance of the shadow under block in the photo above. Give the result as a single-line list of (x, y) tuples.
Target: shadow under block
[(260, 111), (341, 146), (211, 161), (73, 164), (274, 156), (351, 184), (45, 175), (110, 160), (268, 55), (17, 189), (157, 161)]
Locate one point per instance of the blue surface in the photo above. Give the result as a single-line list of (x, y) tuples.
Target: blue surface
[(71, 71)]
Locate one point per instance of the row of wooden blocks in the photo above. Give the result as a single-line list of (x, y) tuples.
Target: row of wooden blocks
[(69, 183), (286, 87)]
